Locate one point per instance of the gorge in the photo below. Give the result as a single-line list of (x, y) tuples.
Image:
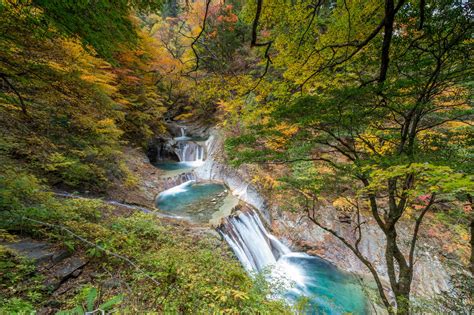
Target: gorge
[(203, 200), (236, 157)]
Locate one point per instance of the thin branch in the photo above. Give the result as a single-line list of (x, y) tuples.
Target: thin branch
[(417, 228), (20, 98), (357, 45), (313, 15), (359, 255), (267, 65), (208, 2), (254, 43)]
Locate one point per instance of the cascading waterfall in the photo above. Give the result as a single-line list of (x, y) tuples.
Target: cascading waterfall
[(189, 151), (330, 291), (254, 247), (200, 154), (182, 136)]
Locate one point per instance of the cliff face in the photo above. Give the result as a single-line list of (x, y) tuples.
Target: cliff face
[(431, 277)]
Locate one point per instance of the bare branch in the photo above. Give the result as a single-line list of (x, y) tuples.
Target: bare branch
[(417, 228), (208, 2), (20, 98), (359, 255)]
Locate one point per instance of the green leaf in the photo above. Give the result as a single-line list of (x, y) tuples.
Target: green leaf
[(91, 297), (113, 301)]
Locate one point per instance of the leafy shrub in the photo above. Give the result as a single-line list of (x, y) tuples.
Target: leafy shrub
[(195, 270), (20, 287)]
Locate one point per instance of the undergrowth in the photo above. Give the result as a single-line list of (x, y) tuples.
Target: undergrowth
[(180, 269)]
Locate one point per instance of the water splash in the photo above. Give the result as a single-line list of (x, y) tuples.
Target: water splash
[(298, 274), (175, 190), (172, 181)]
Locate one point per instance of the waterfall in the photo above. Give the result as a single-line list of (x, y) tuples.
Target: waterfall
[(179, 179), (189, 152), (200, 154), (176, 189), (182, 136), (259, 250), (252, 244)]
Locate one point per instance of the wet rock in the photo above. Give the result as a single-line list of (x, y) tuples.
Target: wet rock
[(161, 149), (237, 180)]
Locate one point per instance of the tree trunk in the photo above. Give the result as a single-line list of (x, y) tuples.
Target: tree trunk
[(471, 260), (403, 303)]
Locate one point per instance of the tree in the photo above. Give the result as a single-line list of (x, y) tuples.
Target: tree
[(381, 98), (65, 110), (105, 26)]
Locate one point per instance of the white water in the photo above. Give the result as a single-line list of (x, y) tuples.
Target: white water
[(296, 274), (183, 136), (189, 152), (176, 189), (172, 181), (259, 250), (253, 245)]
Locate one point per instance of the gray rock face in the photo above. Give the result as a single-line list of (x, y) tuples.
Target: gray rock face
[(37, 251), (57, 264), (63, 271), (60, 255), (71, 266), (431, 277)]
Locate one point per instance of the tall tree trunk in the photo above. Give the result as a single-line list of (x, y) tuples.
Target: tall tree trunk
[(401, 277), (471, 260), (403, 303)]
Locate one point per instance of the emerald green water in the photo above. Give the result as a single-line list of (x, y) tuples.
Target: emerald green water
[(328, 289), (195, 201), (173, 166)]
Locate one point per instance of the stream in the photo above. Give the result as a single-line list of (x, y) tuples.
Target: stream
[(328, 290)]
